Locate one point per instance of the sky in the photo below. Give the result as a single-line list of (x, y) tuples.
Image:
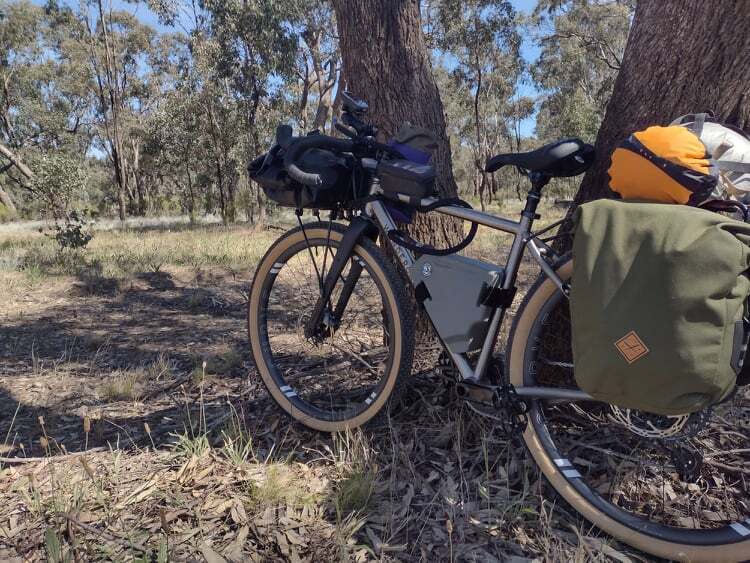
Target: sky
[(530, 52), (529, 49)]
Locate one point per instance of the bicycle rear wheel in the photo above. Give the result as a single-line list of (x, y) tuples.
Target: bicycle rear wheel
[(619, 471), (343, 375)]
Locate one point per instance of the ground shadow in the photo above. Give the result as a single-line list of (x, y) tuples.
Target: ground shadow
[(55, 362)]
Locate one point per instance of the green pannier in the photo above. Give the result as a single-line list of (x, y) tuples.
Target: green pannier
[(657, 302)]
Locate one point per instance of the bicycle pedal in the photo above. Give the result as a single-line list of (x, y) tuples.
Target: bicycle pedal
[(477, 392)]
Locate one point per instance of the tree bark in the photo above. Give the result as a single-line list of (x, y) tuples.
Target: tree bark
[(7, 202), (5, 199), (386, 62), (16, 161), (682, 56)]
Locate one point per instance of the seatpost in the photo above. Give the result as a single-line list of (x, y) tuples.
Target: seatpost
[(538, 181)]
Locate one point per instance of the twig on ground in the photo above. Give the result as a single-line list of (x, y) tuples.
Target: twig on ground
[(12, 460), (106, 535)]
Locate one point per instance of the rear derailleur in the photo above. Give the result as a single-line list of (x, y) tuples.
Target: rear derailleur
[(493, 398)]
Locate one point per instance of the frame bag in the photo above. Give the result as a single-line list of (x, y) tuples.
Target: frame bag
[(657, 304)]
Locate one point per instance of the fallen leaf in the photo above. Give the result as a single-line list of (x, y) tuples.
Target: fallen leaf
[(210, 555)]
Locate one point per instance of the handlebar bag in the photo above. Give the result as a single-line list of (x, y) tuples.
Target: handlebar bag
[(657, 302), (268, 170)]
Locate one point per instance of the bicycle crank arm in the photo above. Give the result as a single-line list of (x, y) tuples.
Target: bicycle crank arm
[(553, 393), (477, 392)]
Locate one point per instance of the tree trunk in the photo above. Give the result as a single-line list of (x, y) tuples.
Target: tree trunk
[(261, 200), (191, 196), (120, 180), (16, 161), (386, 62), (7, 202), (5, 198), (682, 56)]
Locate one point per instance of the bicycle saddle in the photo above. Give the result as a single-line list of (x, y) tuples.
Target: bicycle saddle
[(567, 157)]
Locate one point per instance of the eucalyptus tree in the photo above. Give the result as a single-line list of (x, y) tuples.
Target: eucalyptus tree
[(45, 105), (582, 44), (318, 65), (482, 41), (660, 80), (20, 52), (245, 55), (115, 46)]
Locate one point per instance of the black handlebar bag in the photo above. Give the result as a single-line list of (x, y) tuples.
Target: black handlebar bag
[(336, 173)]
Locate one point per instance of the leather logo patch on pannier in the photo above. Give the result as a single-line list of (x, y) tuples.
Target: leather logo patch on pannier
[(631, 347)]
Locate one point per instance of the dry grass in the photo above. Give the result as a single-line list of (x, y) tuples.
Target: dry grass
[(123, 386), (203, 466)]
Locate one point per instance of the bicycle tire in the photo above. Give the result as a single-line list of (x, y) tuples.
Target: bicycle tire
[(695, 545), (399, 310)]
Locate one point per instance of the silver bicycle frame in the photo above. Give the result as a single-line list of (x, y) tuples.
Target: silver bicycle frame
[(522, 239)]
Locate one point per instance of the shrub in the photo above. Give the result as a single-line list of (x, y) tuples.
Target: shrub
[(73, 231), (58, 182)]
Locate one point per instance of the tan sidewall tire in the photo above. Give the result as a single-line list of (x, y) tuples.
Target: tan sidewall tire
[(254, 333), (526, 316)]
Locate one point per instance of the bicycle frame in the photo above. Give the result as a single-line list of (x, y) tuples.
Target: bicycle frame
[(523, 238)]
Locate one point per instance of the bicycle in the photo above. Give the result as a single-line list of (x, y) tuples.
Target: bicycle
[(331, 325)]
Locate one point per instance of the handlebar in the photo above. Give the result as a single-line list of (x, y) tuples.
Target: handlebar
[(302, 144)]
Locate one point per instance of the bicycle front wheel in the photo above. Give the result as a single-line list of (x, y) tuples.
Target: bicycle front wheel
[(342, 373), (627, 471)]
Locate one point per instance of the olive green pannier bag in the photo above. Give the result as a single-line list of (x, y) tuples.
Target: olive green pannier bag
[(657, 303)]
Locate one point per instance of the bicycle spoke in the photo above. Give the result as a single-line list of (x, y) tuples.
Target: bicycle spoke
[(636, 473), (341, 370)]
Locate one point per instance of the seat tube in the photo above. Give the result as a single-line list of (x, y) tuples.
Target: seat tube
[(511, 272), (528, 215)]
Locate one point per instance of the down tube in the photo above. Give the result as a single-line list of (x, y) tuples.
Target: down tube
[(381, 214)]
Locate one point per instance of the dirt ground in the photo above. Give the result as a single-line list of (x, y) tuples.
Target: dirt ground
[(135, 427)]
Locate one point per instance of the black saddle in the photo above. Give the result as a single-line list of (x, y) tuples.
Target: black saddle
[(568, 157)]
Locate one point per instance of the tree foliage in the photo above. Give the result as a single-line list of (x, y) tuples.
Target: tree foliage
[(161, 113)]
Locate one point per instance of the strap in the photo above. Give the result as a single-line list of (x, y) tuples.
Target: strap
[(725, 206), (739, 360), (697, 125)]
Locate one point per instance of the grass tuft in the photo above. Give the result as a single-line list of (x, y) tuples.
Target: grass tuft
[(124, 385)]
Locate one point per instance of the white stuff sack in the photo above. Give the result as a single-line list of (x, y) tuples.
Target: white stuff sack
[(730, 150)]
